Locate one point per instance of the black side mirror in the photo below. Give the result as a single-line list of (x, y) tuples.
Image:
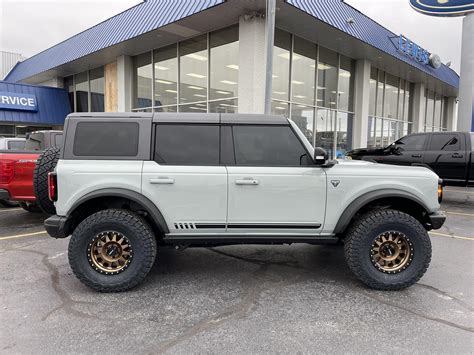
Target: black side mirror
[(320, 156)]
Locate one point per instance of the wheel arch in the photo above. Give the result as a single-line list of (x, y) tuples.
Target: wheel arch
[(393, 198), (117, 198)]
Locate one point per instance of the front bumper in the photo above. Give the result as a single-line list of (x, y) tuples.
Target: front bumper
[(4, 195), (58, 226), (436, 220)]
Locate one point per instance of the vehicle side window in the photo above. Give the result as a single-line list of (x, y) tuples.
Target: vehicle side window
[(187, 144), (106, 139), (268, 146), (412, 143), (16, 145), (34, 141), (447, 142)]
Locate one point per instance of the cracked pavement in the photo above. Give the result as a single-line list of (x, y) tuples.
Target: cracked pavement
[(236, 299)]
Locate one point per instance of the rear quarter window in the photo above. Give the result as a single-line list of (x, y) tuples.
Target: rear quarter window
[(106, 139)]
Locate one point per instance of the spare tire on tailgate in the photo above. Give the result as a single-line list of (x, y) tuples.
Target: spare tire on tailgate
[(46, 163)]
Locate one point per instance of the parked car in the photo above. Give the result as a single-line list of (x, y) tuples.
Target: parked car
[(17, 168), (12, 143), (448, 154), (126, 183)]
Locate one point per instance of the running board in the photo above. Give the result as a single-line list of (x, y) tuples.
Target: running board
[(247, 239)]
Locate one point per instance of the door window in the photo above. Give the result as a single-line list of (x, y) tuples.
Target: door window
[(268, 146), (447, 142), (412, 143), (187, 144)]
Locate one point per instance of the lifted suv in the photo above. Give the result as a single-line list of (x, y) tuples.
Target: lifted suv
[(126, 183)]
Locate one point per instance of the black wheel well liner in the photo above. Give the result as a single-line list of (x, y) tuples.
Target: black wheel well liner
[(393, 198), (117, 198)]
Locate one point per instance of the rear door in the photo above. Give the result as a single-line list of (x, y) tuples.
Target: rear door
[(446, 155), (185, 179), (274, 188), (408, 150)]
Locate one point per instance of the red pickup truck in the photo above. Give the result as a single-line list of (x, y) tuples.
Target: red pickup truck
[(17, 168)]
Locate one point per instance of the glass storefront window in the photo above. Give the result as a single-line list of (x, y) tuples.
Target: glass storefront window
[(343, 134), (223, 106), (380, 94), (437, 111), (390, 97), (82, 92), (143, 75), (429, 108), (96, 78), (281, 65), (69, 86), (280, 108), (325, 123), (327, 78), (303, 71), (372, 91), (166, 76), (401, 100), (346, 84), (303, 116), (193, 70), (224, 62)]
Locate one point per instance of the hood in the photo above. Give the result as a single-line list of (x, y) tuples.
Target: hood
[(366, 151)]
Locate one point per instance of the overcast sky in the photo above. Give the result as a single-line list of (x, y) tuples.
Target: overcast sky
[(30, 26)]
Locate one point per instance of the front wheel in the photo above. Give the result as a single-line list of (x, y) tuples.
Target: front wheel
[(388, 250), (112, 250)]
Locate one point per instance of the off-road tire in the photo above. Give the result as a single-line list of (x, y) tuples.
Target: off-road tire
[(30, 207), (137, 231), (45, 164), (361, 236)]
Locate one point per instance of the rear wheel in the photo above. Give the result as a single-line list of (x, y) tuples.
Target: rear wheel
[(112, 250), (388, 249), (45, 164)]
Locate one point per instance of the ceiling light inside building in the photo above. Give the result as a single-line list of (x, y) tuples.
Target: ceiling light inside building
[(160, 67), (172, 91), (194, 75), (223, 92), (196, 56), (166, 82), (345, 74), (228, 82), (322, 66), (279, 92), (233, 66), (195, 87), (296, 82), (280, 108), (199, 95), (300, 96), (321, 88)]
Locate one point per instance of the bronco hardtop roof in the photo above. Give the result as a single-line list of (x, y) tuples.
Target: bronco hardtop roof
[(185, 117)]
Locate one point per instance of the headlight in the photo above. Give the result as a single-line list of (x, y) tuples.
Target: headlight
[(440, 190)]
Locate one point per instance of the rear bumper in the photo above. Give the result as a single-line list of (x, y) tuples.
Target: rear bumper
[(58, 226), (436, 220), (4, 195)]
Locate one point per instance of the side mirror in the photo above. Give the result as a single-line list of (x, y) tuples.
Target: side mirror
[(320, 156)]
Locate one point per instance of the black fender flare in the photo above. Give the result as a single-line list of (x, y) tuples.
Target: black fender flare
[(131, 195), (368, 197)]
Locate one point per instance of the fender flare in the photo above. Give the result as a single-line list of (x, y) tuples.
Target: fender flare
[(368, 197), (134, 196)]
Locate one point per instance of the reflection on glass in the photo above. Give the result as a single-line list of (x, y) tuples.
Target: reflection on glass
[(373, 90), (303, 71), (193, 71), (391, 96), (343, 134), (280, 109), (281, 65), (200, 107), (371, 133), (401, 100), (166, 109), (380, 86), (408, 103), (82, 92), (223, 106), (437, 111), (96, 77), (166, 76), (303, 116), (224, 73), (346, 84), (327, 78), (142, 75)]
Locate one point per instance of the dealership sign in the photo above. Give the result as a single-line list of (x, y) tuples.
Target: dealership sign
[(15, 101), (417, 53), (443, 7)]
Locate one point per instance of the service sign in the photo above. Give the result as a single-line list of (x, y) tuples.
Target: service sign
[(443, 7), (16, 101), (413, 50)]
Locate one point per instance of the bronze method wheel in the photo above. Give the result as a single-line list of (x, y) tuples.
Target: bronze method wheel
[(391, 252), (110, 252)]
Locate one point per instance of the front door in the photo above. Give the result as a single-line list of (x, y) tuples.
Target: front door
[(407, 150), (274, 188)]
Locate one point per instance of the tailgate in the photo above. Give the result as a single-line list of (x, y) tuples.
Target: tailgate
[(16, 174)]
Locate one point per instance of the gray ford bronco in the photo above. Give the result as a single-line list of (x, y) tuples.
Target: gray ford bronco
[(126, 184)]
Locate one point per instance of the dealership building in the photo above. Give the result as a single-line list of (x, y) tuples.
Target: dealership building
[(346, 80)]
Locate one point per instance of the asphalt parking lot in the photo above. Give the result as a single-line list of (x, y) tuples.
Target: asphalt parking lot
[(237, 299)]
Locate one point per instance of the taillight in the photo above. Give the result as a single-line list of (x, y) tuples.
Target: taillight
[(52, 186), (7, 171)]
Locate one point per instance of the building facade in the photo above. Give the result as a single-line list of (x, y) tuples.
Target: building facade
[(343, 78)]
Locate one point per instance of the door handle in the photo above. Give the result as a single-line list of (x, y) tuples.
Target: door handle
[(416, 155), (457, 155), (246, 181), (162, 180)]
